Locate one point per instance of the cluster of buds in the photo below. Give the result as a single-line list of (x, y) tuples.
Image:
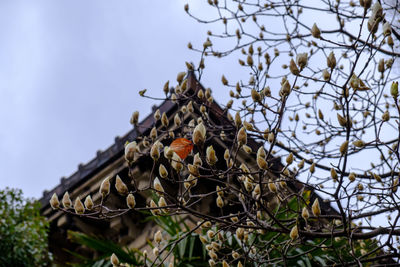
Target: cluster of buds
[(375, 18)]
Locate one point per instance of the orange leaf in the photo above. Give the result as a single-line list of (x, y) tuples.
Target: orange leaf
[(182, 147)]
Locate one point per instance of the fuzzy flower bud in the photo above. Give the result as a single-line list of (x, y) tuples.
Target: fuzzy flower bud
[(238, 120), (343, 147), (158, 237), (157, 185), (121, 187), (315, 208), (154, 151), (105, 187), (325, 75), (130, 150), (224, 80), (381, 65), (289, 159), (66, 201), (385, 116), (342, 121), (359, 143), (162, 171), (387, 29), (89, 202), (285, 89), (130, 201), (293, 68), (334, 174), (220, 202), (394, 89), (135, 118), (271, 137), (210, 155), (302, 60), (352, 177), (78, 206), (177, 120), (199, 134), (180, 76), (294, 233), (168, 153), (114, 260), (312, 168), (305, 214), (272, 187), (255, 95), (242, 136), (331, 61), (262, 163), (54, 203), (176, 162), (315, 31)]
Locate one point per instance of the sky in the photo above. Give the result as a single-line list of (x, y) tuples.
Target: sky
[(70, 72)]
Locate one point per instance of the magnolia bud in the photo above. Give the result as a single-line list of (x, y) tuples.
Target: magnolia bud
[(180, 76), (315, 208), (197, 160), (212, 263), (154, 151), (176, 162), (158, 237), (153, 207), (261, 152), (293, 68), (352, 177), (394, 89), (343, 147), (395, 185), (238, 120), (105, 187), (177, 120), (385, 116), (121, 186), (66, 201), (326, 75), (272, 187), (301, 164), (271, 137), (331, 61), (334, 174), (242, 136), (262, 163), (135, 118), (89, 203), (390, 41), (78, 206), (224, 80), (381, 65), (130, 201), (315, 32), (164, 120), (289, 159), (239, 264), (130, 150), (294, 233), (54, 203), (156, 252), (162, 203), (162, 171), (199, 134), (114, 260), (225, 264), (247, 149), (250, 60), (220, 202), (305, 214), (312, 168), (166, 87), (157, 185), (168, 153), (302, 60), (342, 120), (255, 95), (210, 155), (387, 29), (359, 143), (285, 89)]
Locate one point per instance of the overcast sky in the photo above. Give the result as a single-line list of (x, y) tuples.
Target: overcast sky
[(70, 72)]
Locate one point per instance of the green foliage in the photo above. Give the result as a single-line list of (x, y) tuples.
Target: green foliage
[(23, 232)]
